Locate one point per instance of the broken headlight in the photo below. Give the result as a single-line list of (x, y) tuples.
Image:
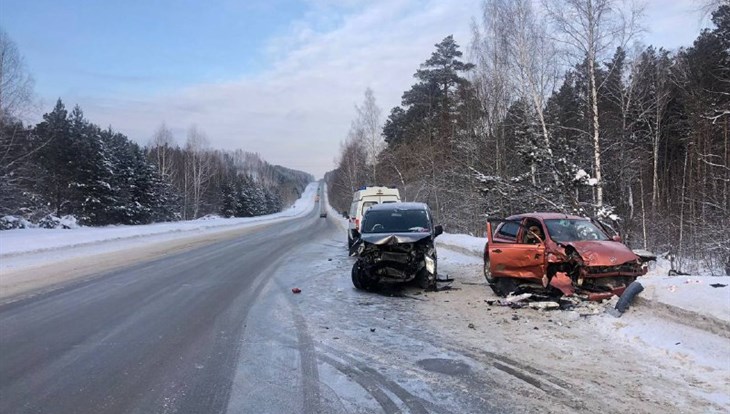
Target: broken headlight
[(430, 265)]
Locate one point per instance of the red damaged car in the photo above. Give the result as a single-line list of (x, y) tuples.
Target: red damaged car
[(574, 255)]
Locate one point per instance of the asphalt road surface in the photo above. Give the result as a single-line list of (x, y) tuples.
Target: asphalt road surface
[(218, 329)]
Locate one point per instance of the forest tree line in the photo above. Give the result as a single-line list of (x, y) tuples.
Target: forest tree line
[(633, 134), (67, 165)]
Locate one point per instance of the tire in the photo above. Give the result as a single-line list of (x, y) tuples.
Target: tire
[(488, 272), (625, 300), (357, 276), (423, 280), (503, 286)]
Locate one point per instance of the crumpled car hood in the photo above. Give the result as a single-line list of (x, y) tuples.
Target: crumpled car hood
[(603, 253), (381, 239)]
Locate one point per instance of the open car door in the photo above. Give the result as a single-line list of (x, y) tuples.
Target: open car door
[(516, 260)]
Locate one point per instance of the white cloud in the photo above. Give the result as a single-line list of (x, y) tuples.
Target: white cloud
[(296, 113), (672, 24)]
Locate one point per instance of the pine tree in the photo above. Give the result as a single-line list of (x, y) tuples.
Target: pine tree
[(54, 158)]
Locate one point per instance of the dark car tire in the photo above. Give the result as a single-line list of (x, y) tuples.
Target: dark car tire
[(423, 281), (357, 276), (503, 286), (628, 296)]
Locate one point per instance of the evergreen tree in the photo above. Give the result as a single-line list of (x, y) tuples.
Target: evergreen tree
[(54, 158), (91, 173)]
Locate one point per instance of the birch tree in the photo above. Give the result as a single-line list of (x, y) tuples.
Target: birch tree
[(16, 84), (533, 60), (198, 169), (369, 126), (489, 51), (161, 145), (590, 30)]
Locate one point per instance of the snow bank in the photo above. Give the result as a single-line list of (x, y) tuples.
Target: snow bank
[(691, 293), (22, 241), (463, 243)]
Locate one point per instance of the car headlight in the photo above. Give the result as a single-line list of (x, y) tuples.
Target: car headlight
[(430, 265)]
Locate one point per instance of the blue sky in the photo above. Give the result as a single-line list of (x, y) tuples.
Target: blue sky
[(133, 46), (278, 77)]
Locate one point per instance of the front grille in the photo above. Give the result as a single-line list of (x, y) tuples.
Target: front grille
[(395, 257), (626, 268)]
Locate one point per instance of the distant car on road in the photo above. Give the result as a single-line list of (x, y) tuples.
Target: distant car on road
[(396, 245), (554, 250), (323, 214)]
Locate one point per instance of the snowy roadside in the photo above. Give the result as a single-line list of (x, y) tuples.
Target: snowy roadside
[(30, 241), (638, 356), (37, 260)]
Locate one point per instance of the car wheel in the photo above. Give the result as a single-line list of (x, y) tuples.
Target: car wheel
[(503, 286), (357, 276), (424, 282), (488, 271)]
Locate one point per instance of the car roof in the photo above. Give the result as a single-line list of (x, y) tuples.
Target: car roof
[(546, 216), (398, 206)]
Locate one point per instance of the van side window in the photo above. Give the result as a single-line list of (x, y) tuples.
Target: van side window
[(508, 230)]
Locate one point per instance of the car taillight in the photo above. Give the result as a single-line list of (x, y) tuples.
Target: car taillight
[(357, 223)]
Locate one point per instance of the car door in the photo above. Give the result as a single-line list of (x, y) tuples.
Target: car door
[(510, 258)]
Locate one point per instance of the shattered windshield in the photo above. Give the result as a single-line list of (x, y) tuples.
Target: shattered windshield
[(565, 230), (395, 221)]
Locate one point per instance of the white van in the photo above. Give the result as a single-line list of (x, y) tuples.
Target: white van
[(364, 198)]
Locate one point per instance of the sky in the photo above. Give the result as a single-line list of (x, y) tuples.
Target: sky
[(276, 77)]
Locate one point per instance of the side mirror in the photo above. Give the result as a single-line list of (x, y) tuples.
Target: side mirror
[(616, 238), (439, 229)]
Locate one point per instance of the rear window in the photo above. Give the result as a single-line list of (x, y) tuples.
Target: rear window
[(508, 230), (366, 205)]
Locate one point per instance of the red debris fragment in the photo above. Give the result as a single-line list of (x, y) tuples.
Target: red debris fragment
[(296, 290), (562, 281), (599, 296)]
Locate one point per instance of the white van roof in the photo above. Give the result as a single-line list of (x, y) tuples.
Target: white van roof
[(365, 191)]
